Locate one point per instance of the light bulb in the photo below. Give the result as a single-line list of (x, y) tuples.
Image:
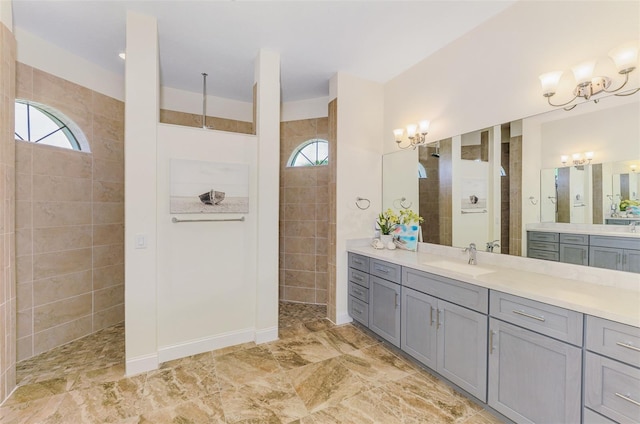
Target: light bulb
[(625, 57), (424, 126), (550, 82), (564, 158), (411, 130), (397, 133), (583, 72)]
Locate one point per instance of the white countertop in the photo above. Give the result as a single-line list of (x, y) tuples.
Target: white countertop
[(591, 229), (605, 301)]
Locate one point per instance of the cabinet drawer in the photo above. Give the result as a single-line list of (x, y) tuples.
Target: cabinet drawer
[(552, 321), (457, 292), (359, 262), (359, 277), (615, 340), (359, 310), (617, 242), (574, 238), (543, 236), (359, 292), (386, 270), (543, 245), (543, 254), (612, 388)]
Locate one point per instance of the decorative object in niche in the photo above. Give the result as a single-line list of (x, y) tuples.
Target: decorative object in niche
[(474, 194), (625, 58), (192, 182)]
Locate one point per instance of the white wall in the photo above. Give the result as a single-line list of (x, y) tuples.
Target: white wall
[(206, 289), (141, 117), (359, 168), (490, 75), (305, 109), (400, 180), (189, 102), (6, 14)]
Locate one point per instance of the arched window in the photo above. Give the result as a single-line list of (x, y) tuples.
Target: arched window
[(314, 152), (43, 125)]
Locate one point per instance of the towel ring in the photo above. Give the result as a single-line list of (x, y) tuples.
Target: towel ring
[(402, 201), (533, 200), (362, 199)]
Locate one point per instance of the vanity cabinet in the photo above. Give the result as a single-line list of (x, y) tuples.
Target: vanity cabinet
[(446, 337), (574, 249), (384, 300), (543, 245), (535, 360), (358, 299), (618, 253), (612, 376)]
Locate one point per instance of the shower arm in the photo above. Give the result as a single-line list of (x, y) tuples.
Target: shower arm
[(204, 100)]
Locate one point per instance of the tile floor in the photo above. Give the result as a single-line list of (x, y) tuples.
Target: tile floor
[(316, 373)]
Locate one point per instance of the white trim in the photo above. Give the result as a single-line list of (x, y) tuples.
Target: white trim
[(343, 318), (267, 335), (205, 344), (141, 364)]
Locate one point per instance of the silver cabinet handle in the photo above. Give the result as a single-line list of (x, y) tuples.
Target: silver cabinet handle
[(628, 399), (491, 332), (356, 261), (358, 277), (356, 291), (382, 270), (628, 346), (397, 301), (431, 316), (618, 257), (524, 314), (438, 319), (358, 311)]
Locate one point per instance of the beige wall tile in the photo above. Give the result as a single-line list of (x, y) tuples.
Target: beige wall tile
[(23, 214), (24, 296), (24, 242), (61, 162), (303, 128), (23, 327), (107, 106), (108, 276), (24, 269), (107, 149), (108, 129), (24, 81), (59, 93), (108, 192), (52, 264), (108, 213), (57, 239), (108, 170), (24, 348), (300, 245), (108, 234), (108, 317), (61, 188), (299, 294), (108, 255), (321, 263), (24, 187), (300, 262), (63, 311), (56, 336), (24, 151), (53, 214), (107, 298), (61, 287), (296, 278)]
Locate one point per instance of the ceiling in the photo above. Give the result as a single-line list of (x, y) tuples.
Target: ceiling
[(375, 40)]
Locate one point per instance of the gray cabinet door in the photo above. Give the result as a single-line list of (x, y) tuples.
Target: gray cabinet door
[(533, 378), (418, 335), (631, 261), (605, 257), (462, 347), (384, 309), (574, 254)]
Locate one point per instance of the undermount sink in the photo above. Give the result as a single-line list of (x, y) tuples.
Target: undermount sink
[(459, 267)]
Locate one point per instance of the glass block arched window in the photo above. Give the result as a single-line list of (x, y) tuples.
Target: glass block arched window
[(314, 152), (41, 124)]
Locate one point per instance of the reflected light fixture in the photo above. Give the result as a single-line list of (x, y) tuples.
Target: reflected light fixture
[(577, 158), (625, 58), (633, 168), (415, 133), (122, 55)]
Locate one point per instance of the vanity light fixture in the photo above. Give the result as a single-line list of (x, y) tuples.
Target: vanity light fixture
[(633, 168), (625, 58), (415, 133), (577, 158)]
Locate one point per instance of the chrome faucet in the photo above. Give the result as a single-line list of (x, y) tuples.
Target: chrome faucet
[(472, 253), (492, 244), (633, 225)]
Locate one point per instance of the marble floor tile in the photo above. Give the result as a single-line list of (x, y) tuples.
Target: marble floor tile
[(316, 373)]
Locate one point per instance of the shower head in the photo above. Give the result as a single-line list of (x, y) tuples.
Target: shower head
[(435, 154)]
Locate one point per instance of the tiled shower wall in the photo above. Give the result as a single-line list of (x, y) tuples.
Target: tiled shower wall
[(304, 217), (69, 219), (7, 215), (192, 120), (331, 256)]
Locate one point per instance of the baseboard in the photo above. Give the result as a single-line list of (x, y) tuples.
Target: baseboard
[(267, 335), (343, 318), (141, 364), (205, 344)]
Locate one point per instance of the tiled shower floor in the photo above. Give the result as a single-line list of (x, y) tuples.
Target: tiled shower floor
[(316, 373)]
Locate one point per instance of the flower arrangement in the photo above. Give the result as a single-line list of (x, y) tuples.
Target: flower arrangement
[(388, 220)]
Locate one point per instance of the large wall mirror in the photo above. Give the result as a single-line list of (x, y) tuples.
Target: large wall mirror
[(469, 187)]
